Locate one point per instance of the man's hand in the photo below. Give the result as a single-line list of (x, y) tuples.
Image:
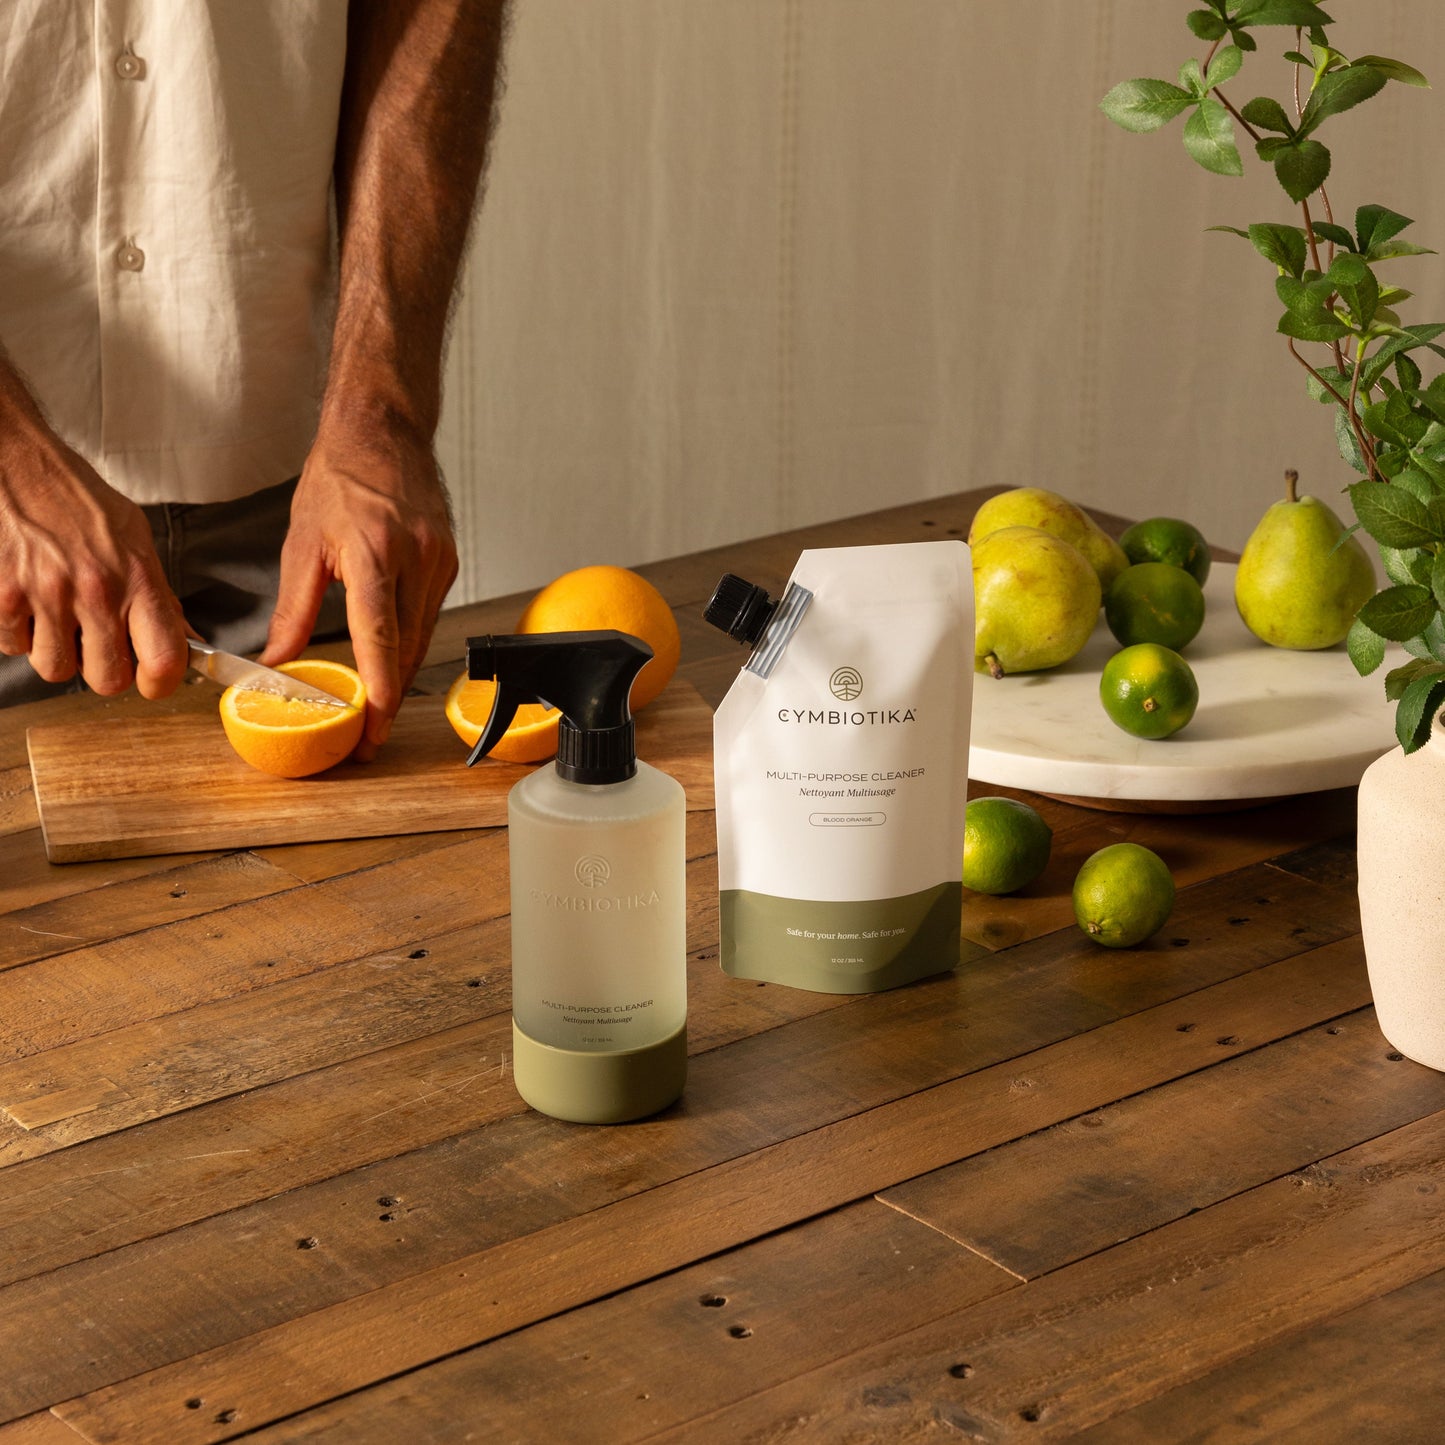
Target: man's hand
[(370, 511), (81, 587)]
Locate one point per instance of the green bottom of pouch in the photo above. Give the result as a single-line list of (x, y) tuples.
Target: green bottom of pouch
[(849, 947)]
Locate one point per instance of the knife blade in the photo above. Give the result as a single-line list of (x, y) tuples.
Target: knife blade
[(232, 671)]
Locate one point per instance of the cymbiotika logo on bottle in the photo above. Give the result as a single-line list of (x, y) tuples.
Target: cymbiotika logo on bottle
[(594, 872)]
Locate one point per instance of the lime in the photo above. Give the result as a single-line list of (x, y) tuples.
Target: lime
[(1005, 845), (1167, 539), (1154, 602), (1148, 690), (1123, 894)]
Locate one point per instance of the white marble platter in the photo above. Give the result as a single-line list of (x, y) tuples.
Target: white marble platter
[(1269, 723)]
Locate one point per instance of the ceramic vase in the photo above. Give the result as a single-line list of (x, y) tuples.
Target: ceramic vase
[(1401, 845)]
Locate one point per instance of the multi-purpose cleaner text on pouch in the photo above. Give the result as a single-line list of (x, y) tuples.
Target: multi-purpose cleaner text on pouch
[(597, 856), (840, 757)]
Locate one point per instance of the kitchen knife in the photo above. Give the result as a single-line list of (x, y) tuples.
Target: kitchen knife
[(232, 671)]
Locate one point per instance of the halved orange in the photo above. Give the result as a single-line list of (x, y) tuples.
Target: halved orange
[(531, 737), (290, 738)]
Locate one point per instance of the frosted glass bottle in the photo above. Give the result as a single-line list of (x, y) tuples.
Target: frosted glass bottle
[(599, 944)]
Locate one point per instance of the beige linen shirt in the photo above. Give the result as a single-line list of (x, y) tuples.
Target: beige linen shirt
[(165, 231)]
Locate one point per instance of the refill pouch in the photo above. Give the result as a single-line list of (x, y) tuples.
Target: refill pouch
[(841, 768)]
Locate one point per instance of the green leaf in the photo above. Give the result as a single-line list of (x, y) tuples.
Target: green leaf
[(1144, 105), (1224, 66), (1404, 566), (1345, 441), (1366, 648), (1394, 70), (1336, 378), (1305, 298), (1408, 372), (1337, 91), (1301, 167), (1191, 77), (1415, 714), (1304, 330), (1432, 397), (1388, 250), (1374, 224), (1418, 482), (1357, 287), (1437, 578), (1284, 245), (1209, 139), (1206, 25), (1328, 231), (1268, 114), (1394, 420), (1393, 517), (1280, 12), (1399, 678), (1399, 612), (1390, 461), (1297, 58)]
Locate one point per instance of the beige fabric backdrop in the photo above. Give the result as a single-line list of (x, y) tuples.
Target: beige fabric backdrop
[(748, 264)]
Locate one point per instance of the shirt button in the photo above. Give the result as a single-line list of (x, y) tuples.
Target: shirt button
[(130, 257), (129, 66)]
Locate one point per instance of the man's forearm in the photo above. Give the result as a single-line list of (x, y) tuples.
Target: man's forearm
[(416, 114)]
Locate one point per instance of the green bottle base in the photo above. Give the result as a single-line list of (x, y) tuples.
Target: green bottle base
[(599, 1088)]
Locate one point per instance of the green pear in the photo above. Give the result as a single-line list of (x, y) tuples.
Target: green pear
[(1298, 585), (1048, 511), (1035, 599)]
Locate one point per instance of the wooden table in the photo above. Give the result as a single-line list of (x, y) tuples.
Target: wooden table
[(265, 1173)]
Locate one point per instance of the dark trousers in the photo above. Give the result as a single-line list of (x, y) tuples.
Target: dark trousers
[(223, 560)]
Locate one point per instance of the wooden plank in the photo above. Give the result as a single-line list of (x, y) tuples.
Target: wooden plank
[(1368, 1374), (173, 784), (318, 1124), (250, 945), (1007, 1006), (17, 801), (1100, 1337), (1203, 846), (28, 878), (159, 897), (666, 1351), (1126, 1169), (42, 1429), (648, 1231), (261, 1036)]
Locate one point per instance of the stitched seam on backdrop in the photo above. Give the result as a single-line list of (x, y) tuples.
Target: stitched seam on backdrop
[(787, 254), (1091, 279)]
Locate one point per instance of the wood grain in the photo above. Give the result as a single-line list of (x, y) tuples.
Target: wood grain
[(148, 785), (1102, 1336), (433, 1312), (657, 1355), (1135, 1165), (1356, 1377)]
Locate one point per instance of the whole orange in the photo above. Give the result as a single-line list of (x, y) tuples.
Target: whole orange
[(604, 596)]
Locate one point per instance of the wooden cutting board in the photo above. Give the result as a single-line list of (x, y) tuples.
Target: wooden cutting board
[(134, 786)]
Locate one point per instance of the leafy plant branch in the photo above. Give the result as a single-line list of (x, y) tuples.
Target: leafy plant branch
[(1389, 423)]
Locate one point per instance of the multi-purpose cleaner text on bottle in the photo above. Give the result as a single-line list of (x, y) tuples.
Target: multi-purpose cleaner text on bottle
[(597, 855)]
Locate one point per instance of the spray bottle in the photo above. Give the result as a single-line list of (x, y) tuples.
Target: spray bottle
[(598, 887)]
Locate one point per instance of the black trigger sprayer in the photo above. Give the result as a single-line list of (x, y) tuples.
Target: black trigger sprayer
[(586, 675)]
